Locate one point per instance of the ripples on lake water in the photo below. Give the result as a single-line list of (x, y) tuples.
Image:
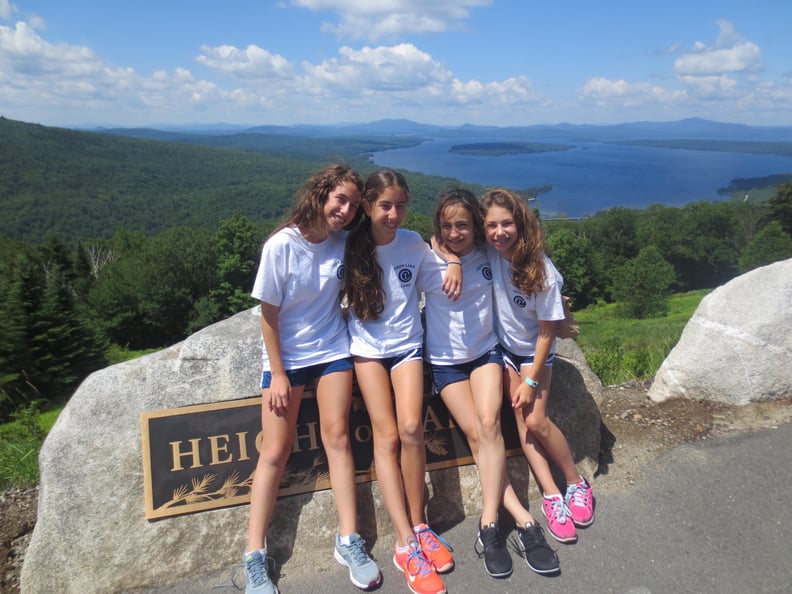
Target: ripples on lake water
[(593, 176)]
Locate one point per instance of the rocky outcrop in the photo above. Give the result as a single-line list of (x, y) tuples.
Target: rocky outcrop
[(737, 347), (92, 534)]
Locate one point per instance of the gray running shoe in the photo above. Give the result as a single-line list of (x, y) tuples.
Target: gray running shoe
[(363, 570), (257, 579)]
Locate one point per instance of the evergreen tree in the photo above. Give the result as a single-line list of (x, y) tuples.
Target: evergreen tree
[(237, 245), (643, 284)]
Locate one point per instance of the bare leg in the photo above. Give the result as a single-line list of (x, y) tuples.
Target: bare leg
[(458, 399), (541, 438), (334, 398), (408, 390), (374, 384), (278, 432)]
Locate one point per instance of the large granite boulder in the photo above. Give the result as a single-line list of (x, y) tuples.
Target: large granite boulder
[(92, 534), (737, 347)]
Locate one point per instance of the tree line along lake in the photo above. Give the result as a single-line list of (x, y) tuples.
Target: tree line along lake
[(586, 177)]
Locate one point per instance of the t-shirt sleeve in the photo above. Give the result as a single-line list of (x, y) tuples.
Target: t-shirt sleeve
[(269, 284), (548, 302), (430, 276)]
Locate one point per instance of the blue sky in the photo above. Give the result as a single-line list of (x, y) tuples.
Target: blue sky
[(489, 62)]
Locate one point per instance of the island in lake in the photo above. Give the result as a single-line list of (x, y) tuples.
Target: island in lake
[(498, 149)]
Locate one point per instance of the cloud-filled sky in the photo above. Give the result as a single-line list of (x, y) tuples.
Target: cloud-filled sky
[(490, 62)]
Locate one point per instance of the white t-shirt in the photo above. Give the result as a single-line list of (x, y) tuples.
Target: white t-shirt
[(398, 328), (518, 315), (304, 279), (461, 331)]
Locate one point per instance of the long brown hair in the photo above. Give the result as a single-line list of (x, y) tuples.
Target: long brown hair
[(527, 262), (363, 284), (312, 196)]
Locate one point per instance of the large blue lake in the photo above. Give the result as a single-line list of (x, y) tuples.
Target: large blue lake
[(592, 176)]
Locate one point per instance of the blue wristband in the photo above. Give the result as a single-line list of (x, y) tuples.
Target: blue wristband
[(531, 382)]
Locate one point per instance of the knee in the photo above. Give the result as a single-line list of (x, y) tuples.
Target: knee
[(411, 432), (274, 455), (335, 436), (386, 443), (538, 424), (489, 427)]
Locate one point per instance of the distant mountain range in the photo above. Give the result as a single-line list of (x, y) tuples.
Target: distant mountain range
[(80, 184), (696, 128)]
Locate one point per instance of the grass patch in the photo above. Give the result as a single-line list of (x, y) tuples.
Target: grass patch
[(619, 349), (20, 442), (118, 354)]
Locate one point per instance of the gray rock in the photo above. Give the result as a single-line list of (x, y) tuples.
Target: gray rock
[(92, 534), (737, 347)]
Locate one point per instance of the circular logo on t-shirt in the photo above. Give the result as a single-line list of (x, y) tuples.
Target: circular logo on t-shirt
[(405, 275), (519, 301), (487, 273), (341, 272)]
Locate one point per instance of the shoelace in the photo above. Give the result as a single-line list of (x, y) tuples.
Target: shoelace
[(431, 540), (357, 551), (531, 539), (257, 572), (490, 538), (578, 495), (415, 557), (560, 510)]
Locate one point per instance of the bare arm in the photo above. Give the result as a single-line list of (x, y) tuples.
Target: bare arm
[(452, 279), (525, 394), (278, 395)]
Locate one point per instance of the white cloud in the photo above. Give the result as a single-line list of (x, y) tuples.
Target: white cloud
[(404, 75), (401, 67), (355, 85), (251, 63), (777, 96), (385, 19), (729, 53), (603, 91), (512, 91), (24, 53), (711, 86), (62, 78), (7, 10)]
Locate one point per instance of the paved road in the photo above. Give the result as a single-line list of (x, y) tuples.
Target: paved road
[(714, 516)]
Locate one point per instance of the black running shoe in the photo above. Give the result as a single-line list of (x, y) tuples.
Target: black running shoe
[(538, 554), (497, 560)]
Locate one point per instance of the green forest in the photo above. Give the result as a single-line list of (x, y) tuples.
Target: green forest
[(111, 243)]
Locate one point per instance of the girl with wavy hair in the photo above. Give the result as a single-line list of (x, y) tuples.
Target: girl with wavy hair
[(384, 264), (305, 342), (528, 305)]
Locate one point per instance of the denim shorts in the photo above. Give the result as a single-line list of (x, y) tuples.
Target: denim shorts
[(301, 376), (444, 375), (517, 361), (391, 363)]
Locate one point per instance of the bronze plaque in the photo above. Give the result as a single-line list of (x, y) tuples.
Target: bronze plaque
[(202, 457)]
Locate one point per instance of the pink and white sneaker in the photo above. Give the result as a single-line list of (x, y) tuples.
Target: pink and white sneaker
[(559, 520), (579, 499)]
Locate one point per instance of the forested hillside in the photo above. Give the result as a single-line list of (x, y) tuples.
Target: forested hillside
[(81, 185), (110, 244)]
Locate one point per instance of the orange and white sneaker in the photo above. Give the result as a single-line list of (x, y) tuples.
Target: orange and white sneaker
[(419, 572), (435, 548)]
